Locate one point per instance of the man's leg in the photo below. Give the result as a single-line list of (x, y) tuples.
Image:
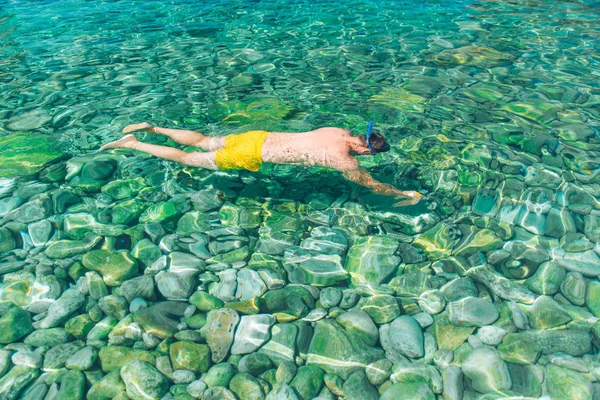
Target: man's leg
[(181, 136), (195, 159)]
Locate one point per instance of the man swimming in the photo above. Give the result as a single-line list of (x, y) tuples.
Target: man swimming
[(326, 147)]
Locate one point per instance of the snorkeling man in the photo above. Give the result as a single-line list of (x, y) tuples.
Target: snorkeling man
[(326, 147)]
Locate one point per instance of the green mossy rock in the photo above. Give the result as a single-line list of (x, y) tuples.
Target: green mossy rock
[(15, 381), (339, 352), (161, 212), (371, 259), (246, 387), (115, 266), (115, 357), (24, 154), (14, 324), (308, 381), (192, 356), (72, 385), (143, 381), (417, 390), (110, 386), (563, 383)]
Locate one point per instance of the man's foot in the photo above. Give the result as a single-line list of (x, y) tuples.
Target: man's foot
[(124, 143), (144, 126)]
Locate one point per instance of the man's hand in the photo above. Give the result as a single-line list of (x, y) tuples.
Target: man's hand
[(409, 197), (358, 175)]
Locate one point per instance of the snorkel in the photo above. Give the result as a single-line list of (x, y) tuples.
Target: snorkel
[(373, 152), (369, 138)]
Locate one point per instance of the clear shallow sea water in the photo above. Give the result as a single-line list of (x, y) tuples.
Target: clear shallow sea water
[(491, 107)]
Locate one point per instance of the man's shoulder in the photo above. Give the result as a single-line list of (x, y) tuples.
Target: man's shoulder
[(331, 130)]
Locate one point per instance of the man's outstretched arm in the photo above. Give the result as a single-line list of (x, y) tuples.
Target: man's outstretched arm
[(363, 178)]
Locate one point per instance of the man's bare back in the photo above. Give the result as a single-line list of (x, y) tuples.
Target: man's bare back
[(327, 147)]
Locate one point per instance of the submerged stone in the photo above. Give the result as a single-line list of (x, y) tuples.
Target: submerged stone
[(371, 259), (15, 381), (487, 370), (307, 267), (472, 311), (359, 322), (415, 390), (308, 381), (24, 154), (219, 332), (563, 383), (115, 266), (403, 335), (15, 323), (246, 387), (339, 352), (546, 313), (252, 332), (143, 381), (282, 346), (381, 308), (449, 336), (114, 357), (547, 278), (162, 319), (190, 356)]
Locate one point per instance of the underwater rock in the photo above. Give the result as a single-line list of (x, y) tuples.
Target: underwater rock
[(60, 310), (83, 359), (306, 267), (501, 286), (282, 345), (381, 308), (123, 189), (545, 313), (219, 332), (547, 278), (252, 332), (449, 336), (574, 342), (414, 390), (403, 335), (339, 352), (482, 57), (115, 266), (48, 337), (371, 259), (25, 154), (190, 356), (587, 263), (15, 323), (360, 323), (308, 381), (246, 387), (249, 285), (192, 222), (143, 381), (439, 241), (115, 357), (161, 319), (141, 286), (472, 311), (563, 383), (574, 288), (15, 381), (487, 371)]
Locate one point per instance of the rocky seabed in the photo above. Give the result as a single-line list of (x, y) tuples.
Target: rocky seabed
[(125, 280)]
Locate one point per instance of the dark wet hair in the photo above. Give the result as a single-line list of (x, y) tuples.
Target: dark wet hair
[(378, 142)]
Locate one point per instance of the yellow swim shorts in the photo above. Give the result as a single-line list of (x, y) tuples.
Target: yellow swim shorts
[(243, 151)]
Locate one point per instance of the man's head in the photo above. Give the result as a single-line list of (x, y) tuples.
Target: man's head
[(376, 143)]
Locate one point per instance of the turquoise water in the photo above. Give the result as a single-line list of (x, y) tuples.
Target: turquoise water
[(487, 289)]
